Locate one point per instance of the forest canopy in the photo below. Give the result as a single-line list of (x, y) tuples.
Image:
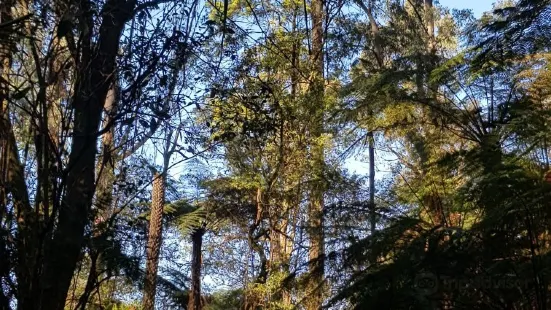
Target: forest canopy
[(279, 155)]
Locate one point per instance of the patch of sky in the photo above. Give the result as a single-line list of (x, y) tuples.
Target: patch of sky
[(384, 159)]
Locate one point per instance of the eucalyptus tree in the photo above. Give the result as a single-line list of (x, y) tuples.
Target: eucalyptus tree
[(262, 123)]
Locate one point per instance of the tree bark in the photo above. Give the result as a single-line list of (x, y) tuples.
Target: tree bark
[(12, 181), (5, 16), (106, 167), (154, 241), (373, 215), (95, 75), (429, 24), (316, 251), (195, 302), (280, 248), (104, 196)]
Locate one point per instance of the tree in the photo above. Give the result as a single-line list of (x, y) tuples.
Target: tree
[(252, 112), (316, 251), (195, 302), (154, 240), (75, 58), (477, 118)]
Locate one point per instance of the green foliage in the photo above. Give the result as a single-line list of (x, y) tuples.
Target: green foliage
[(125, 306), (455, 109), (185, 216), (477, 158), (225, 300)]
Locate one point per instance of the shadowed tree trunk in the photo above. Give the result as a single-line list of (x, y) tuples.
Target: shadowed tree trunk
[(432, 200), (5, 16), (378, 53), (154, 241), (50, 231), (378, 49), (12, 180), (104, 196), (95, 75), (194, 302), (280, 248), (373, 215)]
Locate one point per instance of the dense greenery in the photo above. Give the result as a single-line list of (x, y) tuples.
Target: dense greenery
[(205, 155)]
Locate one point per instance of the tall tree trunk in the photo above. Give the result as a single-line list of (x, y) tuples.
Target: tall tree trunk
[(315, 208), (429, 24), (430, 201), (373, 215), (104, 195), (433, 200), (5, 16), (195, 302), (26, 220), (94, 78), (12, 181), (280, 249), (378, 50), (154, 241), (106, 166)]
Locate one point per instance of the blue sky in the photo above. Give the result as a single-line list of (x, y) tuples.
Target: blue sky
[(478, 6)]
